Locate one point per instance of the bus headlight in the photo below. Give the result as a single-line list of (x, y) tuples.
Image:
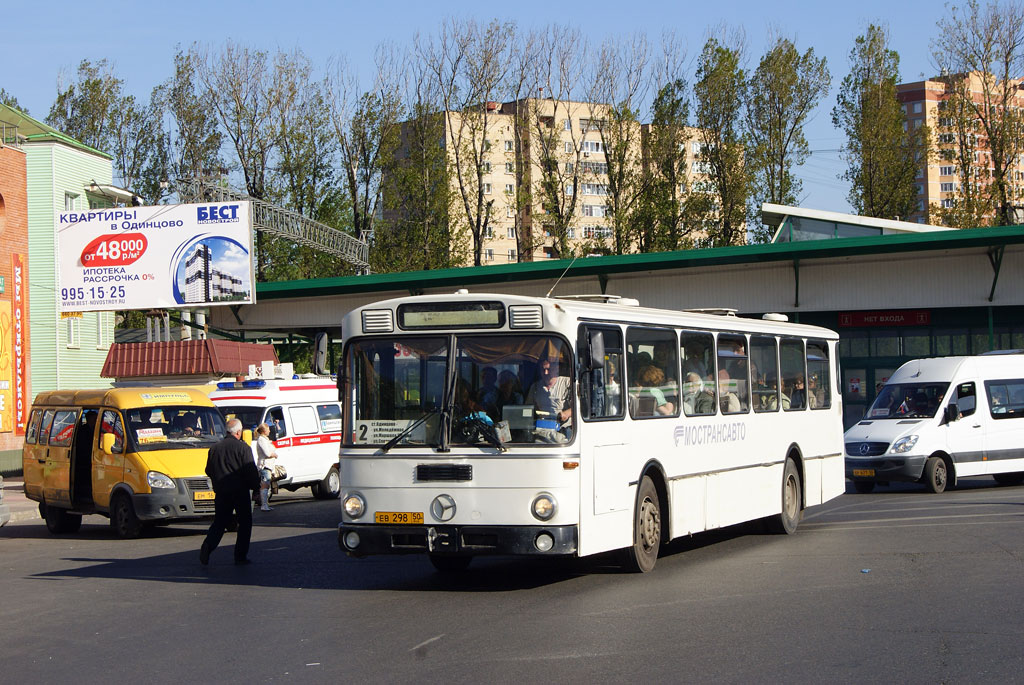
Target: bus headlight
[(159, 480), (543, 507), (904, 444), (354, 505)]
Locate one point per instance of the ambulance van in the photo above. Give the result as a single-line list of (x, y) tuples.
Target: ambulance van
[(135, 455), (938, 420), (304, 416)]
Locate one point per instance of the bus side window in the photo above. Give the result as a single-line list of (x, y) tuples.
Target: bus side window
[(764, 374), (602, 389), (965, 399), (733, 383), (111, 423), (819, 387), (699, 392), (33, 427), (794, 392)]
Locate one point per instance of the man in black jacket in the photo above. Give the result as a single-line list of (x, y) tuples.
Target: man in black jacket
[(231, 467)]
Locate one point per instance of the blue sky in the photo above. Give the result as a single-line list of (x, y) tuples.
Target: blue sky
[(139, 39)]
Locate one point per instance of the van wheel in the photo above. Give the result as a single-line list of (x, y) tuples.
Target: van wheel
[(792, 501), (329, 487), (1009, 478), (59, 521), (935, 474), (643, 555), (123, 520), (863, 486)]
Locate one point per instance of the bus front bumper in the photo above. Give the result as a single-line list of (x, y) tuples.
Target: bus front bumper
[(886, 469), (363, 539)]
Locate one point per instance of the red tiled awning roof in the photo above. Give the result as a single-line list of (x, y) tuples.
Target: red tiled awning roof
[(184, 358)]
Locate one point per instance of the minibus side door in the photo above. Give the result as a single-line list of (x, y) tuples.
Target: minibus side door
[(965, 437), (57, 474), (108, 468)]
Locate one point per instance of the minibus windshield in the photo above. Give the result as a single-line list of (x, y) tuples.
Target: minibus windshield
[(174, 427), (249, 416), (908, 401)]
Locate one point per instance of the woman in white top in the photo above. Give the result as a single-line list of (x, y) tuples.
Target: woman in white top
[(266, 460)]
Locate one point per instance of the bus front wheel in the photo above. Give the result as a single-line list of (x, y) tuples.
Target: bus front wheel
[(787, 521), (646, 528)]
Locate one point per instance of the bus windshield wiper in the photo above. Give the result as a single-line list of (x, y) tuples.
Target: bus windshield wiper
[(408, 429)]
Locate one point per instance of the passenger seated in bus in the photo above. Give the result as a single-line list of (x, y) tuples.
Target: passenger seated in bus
[(652, 379), (612, 390), (697, 400), (488, 393), (772, 403), (665, 358), (550, 398), (815, 394), (797, 395), (695, 360), (141, 419), (509, 389), (728, 399)]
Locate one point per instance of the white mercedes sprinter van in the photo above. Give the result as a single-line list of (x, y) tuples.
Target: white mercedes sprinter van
[(937, 420)]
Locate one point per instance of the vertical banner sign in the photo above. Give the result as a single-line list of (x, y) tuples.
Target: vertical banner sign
[(169, 256), (7, 407), (19, 329)]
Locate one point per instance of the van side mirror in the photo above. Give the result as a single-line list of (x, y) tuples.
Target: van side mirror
[(107, 443), (247, 436), (320, 344), (952, 413)]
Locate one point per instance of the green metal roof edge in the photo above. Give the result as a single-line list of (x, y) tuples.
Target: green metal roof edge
[(48, 132), (652, 261)]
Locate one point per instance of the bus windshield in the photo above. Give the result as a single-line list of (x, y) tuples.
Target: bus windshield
[(174, 427), (908, 400), (499, 389)]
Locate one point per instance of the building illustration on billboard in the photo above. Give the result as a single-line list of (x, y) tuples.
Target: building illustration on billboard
[(209, 273)]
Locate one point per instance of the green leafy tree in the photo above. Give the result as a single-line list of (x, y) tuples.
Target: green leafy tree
[(11, 101), (719, 92), (984, 44), (883, 159), (83, 108), (958, 146), (781, 94)]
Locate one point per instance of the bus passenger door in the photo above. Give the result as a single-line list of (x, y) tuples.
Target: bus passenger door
[(607, 470), (57, 474)]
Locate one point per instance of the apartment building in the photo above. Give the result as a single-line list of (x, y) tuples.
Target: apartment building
[(938, 181), (564, 174)]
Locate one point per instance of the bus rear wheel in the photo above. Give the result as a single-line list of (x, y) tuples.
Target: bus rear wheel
[(936, 474), (329, 487), (646, 529), (792, 500)]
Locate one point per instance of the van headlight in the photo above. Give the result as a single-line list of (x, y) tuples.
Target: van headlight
[(904, 444), (543, 507), (159, 480), (354, 505)]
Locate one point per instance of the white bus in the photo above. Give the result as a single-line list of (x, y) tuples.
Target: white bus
[(497, 424)]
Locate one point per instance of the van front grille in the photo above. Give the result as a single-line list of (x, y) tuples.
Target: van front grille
[(866, 449), (193, 485)]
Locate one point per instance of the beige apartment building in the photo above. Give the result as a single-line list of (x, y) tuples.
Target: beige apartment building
[(938, 181), (562, 152)]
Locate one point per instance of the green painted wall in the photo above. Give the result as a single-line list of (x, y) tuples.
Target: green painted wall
[(54, 171)]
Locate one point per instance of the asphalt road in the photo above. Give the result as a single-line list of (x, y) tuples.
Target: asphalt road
[(898, 585)]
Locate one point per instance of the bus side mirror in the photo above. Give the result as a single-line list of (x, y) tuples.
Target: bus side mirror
[(107, 443), (952, 412), (247, 436), (596, 360)]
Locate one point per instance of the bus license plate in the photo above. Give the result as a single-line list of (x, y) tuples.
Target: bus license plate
[(864, 472), (204, 495), (398, 517)]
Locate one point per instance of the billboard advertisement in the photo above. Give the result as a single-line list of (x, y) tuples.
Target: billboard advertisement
[(164, 257)]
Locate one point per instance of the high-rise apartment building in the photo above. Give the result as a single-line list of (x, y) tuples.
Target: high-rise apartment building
[(562, 150), (938, 181)]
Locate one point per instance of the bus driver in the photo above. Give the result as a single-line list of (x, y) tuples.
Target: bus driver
[(550, 396)]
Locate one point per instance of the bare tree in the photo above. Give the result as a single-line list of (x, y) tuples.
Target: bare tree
[(470, 63), (985, 44), (620, 78)]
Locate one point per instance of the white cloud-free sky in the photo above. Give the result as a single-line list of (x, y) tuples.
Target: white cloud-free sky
[(140, 39)]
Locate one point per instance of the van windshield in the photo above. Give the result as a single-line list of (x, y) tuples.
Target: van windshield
[(249, 416), (174, 427), (908, 401)]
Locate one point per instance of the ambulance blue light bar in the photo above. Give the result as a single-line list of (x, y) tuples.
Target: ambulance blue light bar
[(241, 385)]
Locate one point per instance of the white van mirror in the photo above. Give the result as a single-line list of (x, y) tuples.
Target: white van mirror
[(107, 443), (952, 413)]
